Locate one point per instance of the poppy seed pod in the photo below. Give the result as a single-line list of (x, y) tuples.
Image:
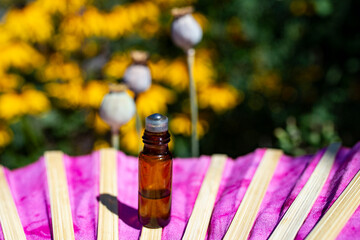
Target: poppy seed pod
[(137, 76), (117, 107), (185, 30)]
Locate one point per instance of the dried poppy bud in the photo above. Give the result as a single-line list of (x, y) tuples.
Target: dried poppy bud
[(117, 107), (185, 31), (137, 76)]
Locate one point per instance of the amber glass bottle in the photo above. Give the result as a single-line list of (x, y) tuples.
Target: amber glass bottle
[(155, 173)]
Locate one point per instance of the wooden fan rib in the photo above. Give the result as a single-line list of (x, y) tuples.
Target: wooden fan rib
[(108, 221), (62, 223), (300, 208), (204, 204), (246, 214)]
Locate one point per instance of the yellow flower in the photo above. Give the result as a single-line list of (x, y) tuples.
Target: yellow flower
[(115, 68), (5, 136), (30, 101), (94, 92), (36, 102), (77, 94), (59, 69), (181, 125), (129, 139), (30, 23), (121, 20), (11, 105), (94, 121), (175, 74), (5, 36), (69, 95), (202, 20), (68, 42), (99, 125), (9, 81), (148, 29), (154, 100), (20, 55), (100, 144), (219, 97), (167, 4), (68, 6), (158, 69)]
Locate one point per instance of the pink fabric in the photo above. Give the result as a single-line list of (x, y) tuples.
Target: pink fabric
[(30, 192)]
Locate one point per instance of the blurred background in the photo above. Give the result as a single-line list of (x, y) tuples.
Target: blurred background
[(282, 73)]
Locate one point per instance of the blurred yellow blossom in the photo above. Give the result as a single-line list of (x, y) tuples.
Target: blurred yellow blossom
[(181, 124), (121, 20), (100, 144), (76, 94), (30, 101), (35, 101), (57, 69), (202, 20), (5, 136), (94, 92), (9, 81), (68, 95), (219, 97), (115, 68), (30, 23), (174, 73), (5, 35), (11, 105), (129, 139), (97, 123), (174, 3), (20, 55), (158, 69), (154, 100), (67, 42), (64, 6)]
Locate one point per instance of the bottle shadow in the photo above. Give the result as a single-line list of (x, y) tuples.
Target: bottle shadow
[(126, 213)]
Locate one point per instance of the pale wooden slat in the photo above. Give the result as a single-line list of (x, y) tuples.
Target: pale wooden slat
[(300, 208), (62, 223), (9, 218), (200, 216), (340, 212), (151, 234), (108, 228), (246, 214)]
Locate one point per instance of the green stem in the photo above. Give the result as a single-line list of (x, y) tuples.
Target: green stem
[(193, 103), (138, 123), (115, 139)]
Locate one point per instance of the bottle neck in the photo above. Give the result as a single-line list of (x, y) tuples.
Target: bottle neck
[(156, 142)]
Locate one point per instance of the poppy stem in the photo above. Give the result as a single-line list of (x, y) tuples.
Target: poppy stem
[(193, 103), (115, 139), (138, 123)]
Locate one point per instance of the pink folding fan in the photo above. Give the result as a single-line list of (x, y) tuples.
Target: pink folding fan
[(262, 195)]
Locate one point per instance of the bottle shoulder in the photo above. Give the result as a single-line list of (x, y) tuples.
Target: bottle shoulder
[(155, 156)]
